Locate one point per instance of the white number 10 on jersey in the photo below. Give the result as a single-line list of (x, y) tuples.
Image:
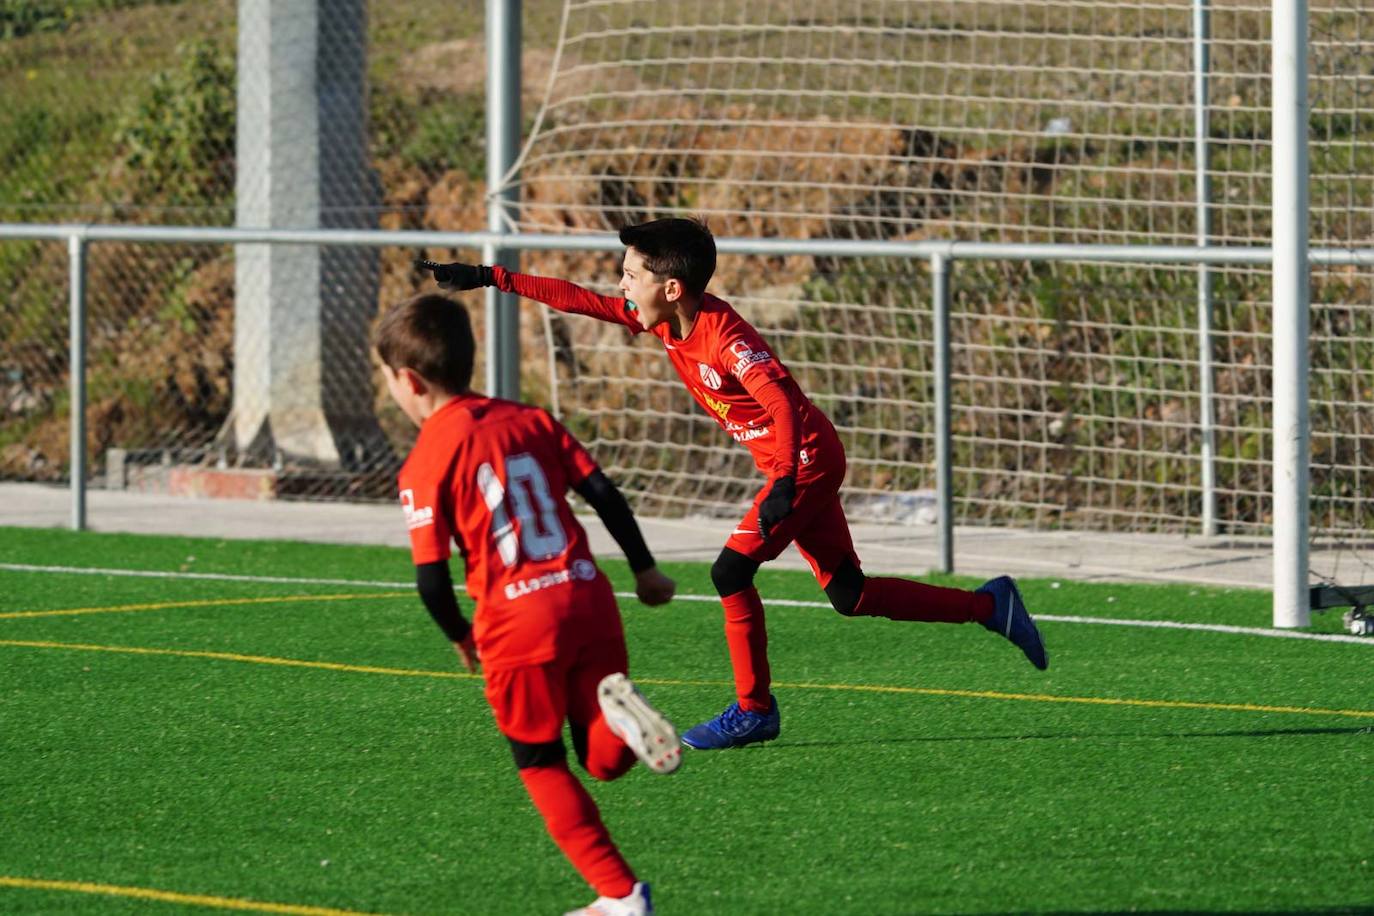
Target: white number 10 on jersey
[(541, 534)]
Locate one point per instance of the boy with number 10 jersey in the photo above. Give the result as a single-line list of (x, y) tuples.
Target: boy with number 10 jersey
[(490, 476), (483, 475)]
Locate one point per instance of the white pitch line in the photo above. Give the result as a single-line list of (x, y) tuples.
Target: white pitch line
[(1210, 628), (708, 599), (218, 577), (1109, 621)]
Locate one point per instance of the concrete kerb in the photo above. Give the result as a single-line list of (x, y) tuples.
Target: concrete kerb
[(887, 549)]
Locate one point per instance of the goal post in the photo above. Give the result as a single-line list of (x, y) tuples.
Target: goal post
[(1292, 278)]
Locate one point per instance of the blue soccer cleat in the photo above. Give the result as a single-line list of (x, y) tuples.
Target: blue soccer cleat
[(735, 728), (1010, 619)]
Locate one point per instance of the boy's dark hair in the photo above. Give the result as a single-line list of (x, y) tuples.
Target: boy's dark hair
[(431, 335), (681, 249)]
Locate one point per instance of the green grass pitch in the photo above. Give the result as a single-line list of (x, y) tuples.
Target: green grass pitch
[(189, 744)]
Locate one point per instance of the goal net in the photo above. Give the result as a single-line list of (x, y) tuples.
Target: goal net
[(1078, 386), (1342, 322)]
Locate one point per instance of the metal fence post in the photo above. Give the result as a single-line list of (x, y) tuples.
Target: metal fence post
[(1202, 34), (944, 450), (76, 255), (503, 146)]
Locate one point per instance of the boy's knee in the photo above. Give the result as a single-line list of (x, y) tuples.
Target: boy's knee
[(845, 589), (732, 573), (604, 772), (542, 754), (595, 766)]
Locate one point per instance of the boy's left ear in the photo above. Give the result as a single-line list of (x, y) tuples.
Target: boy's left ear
[(672, 289), (415, 382)]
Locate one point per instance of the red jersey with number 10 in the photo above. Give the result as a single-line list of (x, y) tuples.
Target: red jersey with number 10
[(723, 361), (490, 476)]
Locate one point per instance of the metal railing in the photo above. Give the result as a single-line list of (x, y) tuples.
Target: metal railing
[(940, 255)]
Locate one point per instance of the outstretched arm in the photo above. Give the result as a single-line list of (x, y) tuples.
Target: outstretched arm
[(652, 586), (558, 294)]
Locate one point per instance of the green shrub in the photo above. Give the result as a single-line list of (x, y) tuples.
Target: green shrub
[(432, 133), (176, 145), (25, 17)]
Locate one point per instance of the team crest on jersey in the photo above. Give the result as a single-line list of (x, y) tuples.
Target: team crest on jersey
[(709, 377)]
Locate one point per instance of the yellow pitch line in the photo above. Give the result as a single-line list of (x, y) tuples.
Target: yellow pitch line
[(666, 682), (203, 602), (235, 657), (1037, 697), (145, 893), (1098, 701)]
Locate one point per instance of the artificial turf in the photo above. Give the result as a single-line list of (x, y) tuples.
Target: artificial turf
[(921, 768)]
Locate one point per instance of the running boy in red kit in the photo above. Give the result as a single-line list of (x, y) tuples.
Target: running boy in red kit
[(490, 476), (736, 378)]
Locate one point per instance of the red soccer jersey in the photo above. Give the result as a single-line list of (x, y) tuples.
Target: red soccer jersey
[(490, 476), (723, 361)]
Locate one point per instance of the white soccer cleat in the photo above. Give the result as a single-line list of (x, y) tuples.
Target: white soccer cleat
[(637, 904), (633, 720)]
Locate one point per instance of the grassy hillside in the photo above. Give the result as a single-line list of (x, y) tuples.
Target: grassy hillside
[(124, 112)]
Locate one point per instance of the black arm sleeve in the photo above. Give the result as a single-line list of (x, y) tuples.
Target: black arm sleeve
[(435, 585), (609, 503)]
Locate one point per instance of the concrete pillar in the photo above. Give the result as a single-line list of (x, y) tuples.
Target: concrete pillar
[(302, 378)]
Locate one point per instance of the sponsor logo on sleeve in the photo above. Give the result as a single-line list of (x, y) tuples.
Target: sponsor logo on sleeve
[(745, 357), (416, 516)]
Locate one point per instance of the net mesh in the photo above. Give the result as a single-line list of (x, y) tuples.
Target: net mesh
[(1342, 319), (1078, 386)]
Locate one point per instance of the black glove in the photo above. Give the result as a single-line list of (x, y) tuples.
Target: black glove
[(777, 505), (458, 275)]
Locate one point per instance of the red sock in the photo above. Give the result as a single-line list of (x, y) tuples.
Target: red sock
[(607, 756), (575, 825), (748, 642), (902, 599)]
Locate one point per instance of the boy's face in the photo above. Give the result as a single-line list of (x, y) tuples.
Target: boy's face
[(402, 387), (656, 299)]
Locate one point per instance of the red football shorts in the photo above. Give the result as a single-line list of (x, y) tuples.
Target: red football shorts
[(530, 702), (817, 522)]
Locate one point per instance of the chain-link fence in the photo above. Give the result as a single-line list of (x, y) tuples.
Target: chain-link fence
[(120, 111)]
